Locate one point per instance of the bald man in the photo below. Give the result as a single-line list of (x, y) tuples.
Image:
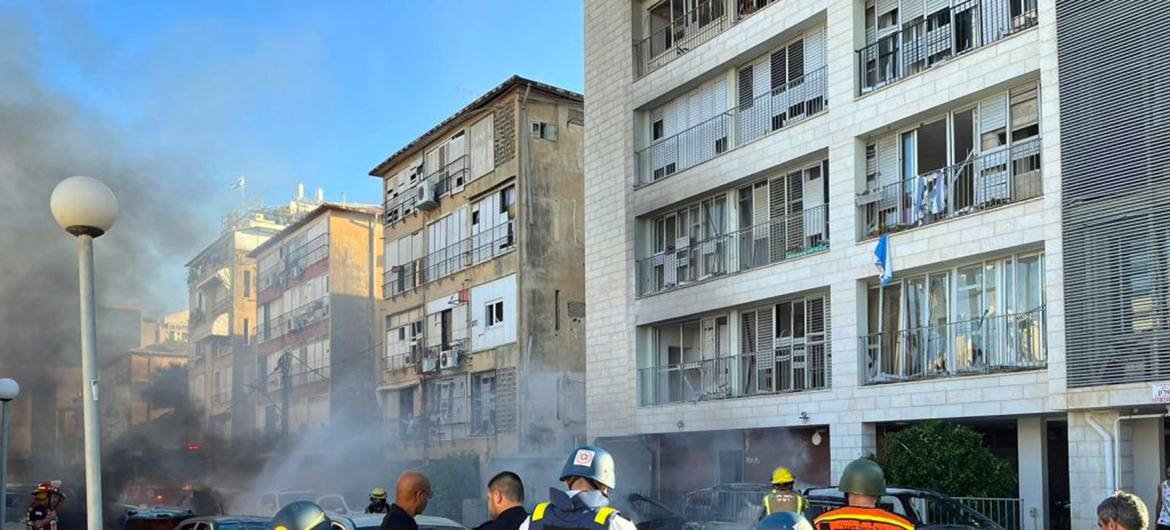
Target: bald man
[(410, 499)]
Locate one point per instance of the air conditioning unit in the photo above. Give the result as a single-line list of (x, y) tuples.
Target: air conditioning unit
[(425, 198), (449, 359)]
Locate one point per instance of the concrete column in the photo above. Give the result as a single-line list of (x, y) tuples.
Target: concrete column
[(1033, 465), (848, 442), (1146, 436), (1088, 460)]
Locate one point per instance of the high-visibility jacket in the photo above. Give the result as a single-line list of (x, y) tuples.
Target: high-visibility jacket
[(778, 501), (857, 518)]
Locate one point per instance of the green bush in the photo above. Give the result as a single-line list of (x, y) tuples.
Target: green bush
[(946, 458)]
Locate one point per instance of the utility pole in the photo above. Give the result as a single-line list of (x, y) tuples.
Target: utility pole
[(285, 394)]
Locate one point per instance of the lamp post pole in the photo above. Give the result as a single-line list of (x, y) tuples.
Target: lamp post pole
[(8, 392)]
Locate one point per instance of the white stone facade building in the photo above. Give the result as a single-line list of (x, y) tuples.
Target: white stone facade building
[(742, 159)]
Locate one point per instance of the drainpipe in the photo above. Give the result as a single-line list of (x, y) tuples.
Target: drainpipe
[(1117, 447), (1110, 476)]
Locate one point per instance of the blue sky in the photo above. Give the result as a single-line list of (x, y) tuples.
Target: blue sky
[(288, 91)]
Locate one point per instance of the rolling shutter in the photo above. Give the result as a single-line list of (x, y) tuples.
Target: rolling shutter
[(482, 148)]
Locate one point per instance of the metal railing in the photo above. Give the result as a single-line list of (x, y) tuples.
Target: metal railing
[(926, 42), (478, 248), (687, 31), (1003, 511), (294, 320), (441, 181), (985, 181), (221, 305), (786, 105), (1009, 342), (792, 236), (401, 361), (296, 260), (790, 368), (796, 101), (223, 396)]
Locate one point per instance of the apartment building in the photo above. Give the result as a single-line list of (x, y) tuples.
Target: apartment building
[(484, 325), (744, 158), (125, 403), (221, 280), (315, 337)]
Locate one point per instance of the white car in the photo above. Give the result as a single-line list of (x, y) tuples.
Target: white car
[(371, 521)]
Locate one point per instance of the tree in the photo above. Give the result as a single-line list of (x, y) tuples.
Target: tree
[(947, 458)]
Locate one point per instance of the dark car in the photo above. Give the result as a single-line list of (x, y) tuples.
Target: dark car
[(225, 522), (644, 512), (156, 518), (926, 509), (734, 503)]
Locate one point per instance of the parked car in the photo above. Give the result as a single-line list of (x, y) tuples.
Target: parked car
[(156, 518), (344, 503), (371, 521), (726, 506), (266, 504), (925, 508), (644, 512), (225, 522)]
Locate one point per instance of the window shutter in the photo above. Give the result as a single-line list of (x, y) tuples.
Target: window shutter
[(814, 51), (912, 9), (762, 81), (933, 6), (779, 67), (745, 86), (887, 154), (795, 60), (482, 150), (992, 114), (885, 6), (550, 132)]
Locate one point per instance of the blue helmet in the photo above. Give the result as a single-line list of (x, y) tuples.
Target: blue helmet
[(784, 521), (591, 462), (301, 515)]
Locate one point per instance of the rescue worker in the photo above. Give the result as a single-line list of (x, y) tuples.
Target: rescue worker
[(589, 476), (863, 484), (783, 497), (301, 515), (784, 521), (378, 502), (42, 512), (204, 501)]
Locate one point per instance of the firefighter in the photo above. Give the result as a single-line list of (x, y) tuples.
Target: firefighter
[(784, 521), (378, 502), (205, 501), (301, 515), (783, 498), (42, 512), (863, 484), (588, 476)]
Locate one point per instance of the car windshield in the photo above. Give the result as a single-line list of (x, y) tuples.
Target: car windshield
[(286, 498), (237, 525), (933, 509)]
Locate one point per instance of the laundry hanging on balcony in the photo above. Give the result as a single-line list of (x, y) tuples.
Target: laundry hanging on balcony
[(929, 195)]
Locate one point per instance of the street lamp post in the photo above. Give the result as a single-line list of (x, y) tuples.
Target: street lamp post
[(8, 392), (86, 208)]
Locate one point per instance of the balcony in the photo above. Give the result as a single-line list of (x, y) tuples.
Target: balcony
[(293, 321), (484, 246), (428, 192), (1000, 343), (793, 103), (781, 239), (687, 30), (939, 37), (446, 356), (791, 368), (297, 260), (1004, 176)]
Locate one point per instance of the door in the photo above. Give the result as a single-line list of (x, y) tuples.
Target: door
[(962, 150), (794, 210)]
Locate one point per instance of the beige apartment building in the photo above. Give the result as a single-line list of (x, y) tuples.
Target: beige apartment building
[(484, 327), (126, 377), (318, 294)]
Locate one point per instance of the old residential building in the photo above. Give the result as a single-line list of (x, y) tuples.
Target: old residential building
[(742, 160), (221, 280), (318, 289), (484, 330), (126, 378)]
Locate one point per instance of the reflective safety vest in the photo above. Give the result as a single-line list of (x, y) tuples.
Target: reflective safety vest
[(554, 516), (779, 501), (857, 518)]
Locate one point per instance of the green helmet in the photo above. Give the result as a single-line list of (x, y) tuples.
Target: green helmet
[(301, 515), (863, 477), (591, 462)]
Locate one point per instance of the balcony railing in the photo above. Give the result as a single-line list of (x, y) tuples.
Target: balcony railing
[(402, 361), (794, 102), (222, 305), (792, 236), (791, 368), (985, 181), (939, 37), (1014, 341), (478, 248), (294, 320), (295, 262), (451, 176), (687, 31)]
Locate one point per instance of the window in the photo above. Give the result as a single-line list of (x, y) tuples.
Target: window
[(494, 313), (483, 404), (247, 335), (247, 284), (557, 310), (544, 131), (657, 131), (1025, 113), (445, 328)]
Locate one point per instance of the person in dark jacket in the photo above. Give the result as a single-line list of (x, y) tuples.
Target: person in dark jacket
[(505, 498), (410, 499)]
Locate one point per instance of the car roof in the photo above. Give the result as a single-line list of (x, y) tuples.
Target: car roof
[(894, 490), (364, 519), (231, 518), (431, 520)]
